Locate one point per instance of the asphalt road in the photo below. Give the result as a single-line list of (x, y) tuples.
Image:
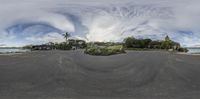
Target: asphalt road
[(74, 75)]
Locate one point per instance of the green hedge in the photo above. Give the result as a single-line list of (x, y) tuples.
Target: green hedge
[(104, 51)]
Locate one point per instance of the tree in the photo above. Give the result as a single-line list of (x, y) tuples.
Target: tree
[(167, 44), (145, 43), (66, 36), (167, 38), (155, 44), (129, 41)]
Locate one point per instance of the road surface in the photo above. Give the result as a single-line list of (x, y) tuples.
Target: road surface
[(74, 75)]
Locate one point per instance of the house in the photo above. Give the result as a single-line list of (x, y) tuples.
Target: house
[(77, 44), (176, 45), (155, 44), (42, 47)]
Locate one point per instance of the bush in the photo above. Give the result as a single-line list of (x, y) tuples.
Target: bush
[(183, 50), (104, 51), (63, 46), (143, 44)]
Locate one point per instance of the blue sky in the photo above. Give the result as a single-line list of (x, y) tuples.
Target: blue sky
[(25, 22)]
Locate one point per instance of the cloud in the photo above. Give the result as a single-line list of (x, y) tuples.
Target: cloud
[(50, 37), (35, 21)]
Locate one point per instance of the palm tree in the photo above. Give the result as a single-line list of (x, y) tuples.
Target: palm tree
[(66, 36), (167, 43), (167, 38)]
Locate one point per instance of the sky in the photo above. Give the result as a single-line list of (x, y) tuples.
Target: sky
[(24, 22)]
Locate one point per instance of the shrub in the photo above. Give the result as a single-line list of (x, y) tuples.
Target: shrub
[(183, 50), (63, 46), (104, 51)]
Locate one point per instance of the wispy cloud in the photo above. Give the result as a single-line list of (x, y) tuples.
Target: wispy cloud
[(35, 21), (2, 45)]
